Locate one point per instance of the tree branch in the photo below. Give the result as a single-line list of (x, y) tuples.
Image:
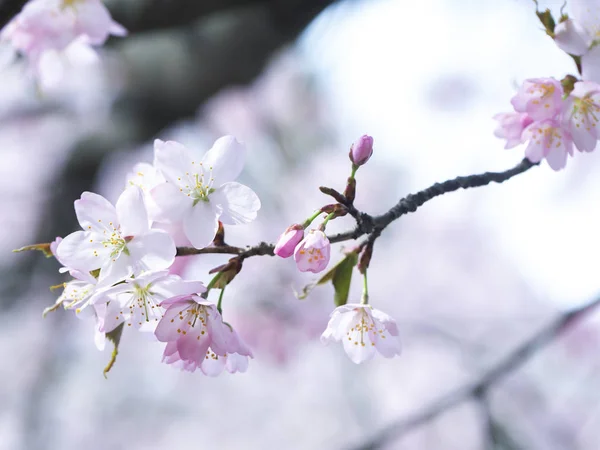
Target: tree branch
[(367, 224), (509, 363)]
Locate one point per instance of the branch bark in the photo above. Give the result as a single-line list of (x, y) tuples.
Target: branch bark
[(506, 365)]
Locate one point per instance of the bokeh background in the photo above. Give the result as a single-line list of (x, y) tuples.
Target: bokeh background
[(468, 277)]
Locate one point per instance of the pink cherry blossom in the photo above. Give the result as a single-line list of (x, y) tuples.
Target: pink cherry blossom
[(540, 98), (363, 331), (312, 253), (199, 194), (361, 150), (288, 241), (197, 337), (117, 240), (511, 126), (581, 115), (53, 25), (136, 301), (548, 140)]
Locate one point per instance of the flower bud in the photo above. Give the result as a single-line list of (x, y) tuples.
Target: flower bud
[(312, 253), (288, 240), (361, 150)]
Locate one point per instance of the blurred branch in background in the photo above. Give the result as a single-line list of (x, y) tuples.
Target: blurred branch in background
[(479, 389), (8, 9), (169, 73)]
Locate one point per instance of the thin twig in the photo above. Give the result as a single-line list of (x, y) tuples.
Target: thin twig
[(367, 224), (510, 362)]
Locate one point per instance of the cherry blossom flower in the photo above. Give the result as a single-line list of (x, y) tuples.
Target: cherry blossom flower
[(363, 331), (579, 35), (200, 193), (361, 150), (117, 240), (136, 301), (52, 25), (197, 337), (288, 241), (511, 126), (312, 253), (146, 177), (548, 140), (581, 115), (540, 98)]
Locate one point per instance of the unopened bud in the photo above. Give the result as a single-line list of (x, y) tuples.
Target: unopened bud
[(361, 150), (287, 242)]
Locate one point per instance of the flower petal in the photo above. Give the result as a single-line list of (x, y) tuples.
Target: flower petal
[(132, 213), (200, 225), (590, 65), (226, 158), (93, 210), (154, 250), (77, 252), (172, 205), (238, 203), (172, 159)]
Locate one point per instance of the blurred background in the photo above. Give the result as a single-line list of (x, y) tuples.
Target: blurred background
[(468, 277)]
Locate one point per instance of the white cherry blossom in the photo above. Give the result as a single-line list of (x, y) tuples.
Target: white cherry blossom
[(363, 331), (199, 193), (136, 301), (117, 240)]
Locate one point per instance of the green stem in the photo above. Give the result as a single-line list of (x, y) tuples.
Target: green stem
[(365, 295), (308, 221), (220, 301), (212, 282), (354, 169), (327, 219)]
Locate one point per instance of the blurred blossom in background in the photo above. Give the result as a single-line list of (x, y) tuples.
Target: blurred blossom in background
[(468, 277)]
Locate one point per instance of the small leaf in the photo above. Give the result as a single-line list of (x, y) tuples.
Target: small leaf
[(113, 336), (342, 278), (45, 248)]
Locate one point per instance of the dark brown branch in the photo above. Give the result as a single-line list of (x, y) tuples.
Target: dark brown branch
[(367, 224), (412, 202), (506, 365)]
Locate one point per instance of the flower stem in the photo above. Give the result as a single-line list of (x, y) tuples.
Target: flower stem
[(327, 219), (212, 282), (308, 221), (220, 301), (354, 169), (365, 295)]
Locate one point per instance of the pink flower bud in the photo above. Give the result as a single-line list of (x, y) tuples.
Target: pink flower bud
[(288, 240), (361, 150), (312, 253)]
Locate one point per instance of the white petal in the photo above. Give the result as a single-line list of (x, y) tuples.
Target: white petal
[(172, 159), (93, 211), (77, 252), (200, 225), (227, 158), (557, 157), (172, 204), (213, 366), (154, 250), (237, 203), (590, 65), (131, 211), (572, 38), (115, 270)]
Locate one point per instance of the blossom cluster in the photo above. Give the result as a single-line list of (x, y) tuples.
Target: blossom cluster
[(120, 259), (56, 34), (552, 122), (555, 117)]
